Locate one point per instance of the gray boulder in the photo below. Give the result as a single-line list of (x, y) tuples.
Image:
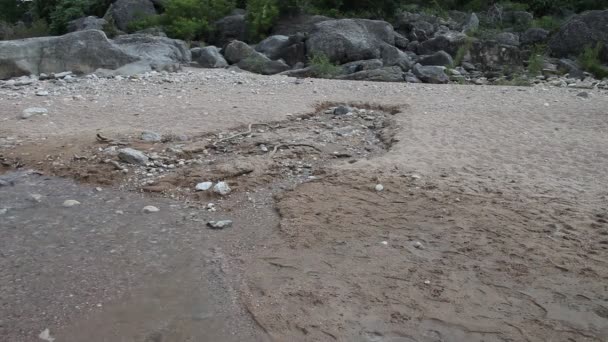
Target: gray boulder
[(449, 42), (153, 31), (391, 56), (348, 40), (386, 74), (227, 29), (80, 52), (571, 67), (492, 55), (123, 12), (586, 29), (470, 24), (440, 58), (273, 46), (132, 156), (156, 50), (209, 57), (507, 38), (304, 23), (86, 23), (400, 41), (534, 35), (246, 58), (431, 73), (517, 19), (357, 66)]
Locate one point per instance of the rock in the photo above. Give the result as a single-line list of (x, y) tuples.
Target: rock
[(248, 59), (153, 31), (348, 40), (507, 38), (42, 93), (449, 42), (494, 56), (219, 224), (431, 73), (81, 52), (391, 56), (33, 111), (517, 19), (438, 58), (471, 24), (534, 36), (400, 41), (571, 67), (583, 94), (87, 23), (379, 187), (272, 46), (157, 52), (229, 28), (209, 57), (150, 209), (418, 245), (3, 211), (411, 78), (342, 110), (204, 186), (222, 188), (580, 31), (132, 156), (386, 74), (353, 67), (70, 203), (150, 136), (45, 335), (36, 198), (301, 23), (124, 12)]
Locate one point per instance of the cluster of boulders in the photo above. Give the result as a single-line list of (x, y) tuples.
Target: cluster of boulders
[(417, 47)]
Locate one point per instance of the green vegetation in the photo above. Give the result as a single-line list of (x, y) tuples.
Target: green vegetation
[(323, 67), (536, 61), (547, 22), (462, 52), (590, 61), (261, 15)]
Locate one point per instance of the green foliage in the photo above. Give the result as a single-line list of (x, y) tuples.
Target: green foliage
[(65, 11), (547, 22), (261, 15), (463, 51), (537, 60), (38, 28), (590, 61), (11, 10), (323, 67)]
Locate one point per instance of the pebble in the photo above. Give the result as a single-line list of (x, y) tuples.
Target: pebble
[(264, 148), (204, 186), (33, 111), (583, 94), (219, 224), (42, 93), (418, 244), (384, 243), (342, 110), (3, 211), (150, 136), (427, 282), (150, 209), (132, 156), (222, 188), (36, 197), (70, 203), (98, 189), (379, 187), (45, 335)]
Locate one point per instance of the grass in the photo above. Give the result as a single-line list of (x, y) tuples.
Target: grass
[(590, 61), (462, 52), (547, 22), (536, 61), (321, 65)]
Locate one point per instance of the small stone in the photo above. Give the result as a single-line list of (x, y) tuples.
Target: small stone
[(98, 189), (342, 110), (222, 188), (416, 176), (418, 244), (42, 93), (264, 148), (379, 187), (427, 282), (132, 156), (119, 212), (45, 335), (70, 203), (3, 211), (384, 243), (219, 224), (150, 136), (204, 186), (150, 209), (36, 197), (33, 111), (583, 94), (546, 104)]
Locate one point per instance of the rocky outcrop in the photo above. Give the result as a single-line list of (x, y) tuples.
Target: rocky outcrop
[(491, 55), (431, 73), (246, 58), (124, 12), (157, 51), (80, 52), (534, 35), (87, 23), (348, 40), (440, 58), (586, 29), (229, 28), (209, 57)]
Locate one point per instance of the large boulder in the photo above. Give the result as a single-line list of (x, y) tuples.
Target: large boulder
[(449, 42), (507, 38), (246, 58), (492, 55), (124, 12), (291, 49), (86, 23), (79, 52), (304, 23), (348, 40), (441, 58), (229, 28), (209, 57), (157, 51), (586, 29), (386, 74), (431, 73), (273, 46), (534, 35)]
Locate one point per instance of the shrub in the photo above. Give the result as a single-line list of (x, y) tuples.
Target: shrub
[(462, 51), (323, 67), (65, 11), (261, 15), (536, 61), (547, 22), (590, 61)]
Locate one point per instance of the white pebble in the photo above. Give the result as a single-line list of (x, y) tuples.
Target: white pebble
[(204, 186), (379, 187), (222, 188), (150, 209), (70, 203), (384, 243), (418, 244)]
